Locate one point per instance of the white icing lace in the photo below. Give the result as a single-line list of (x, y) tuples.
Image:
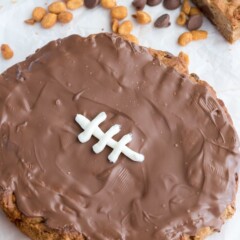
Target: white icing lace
[(91, 128)]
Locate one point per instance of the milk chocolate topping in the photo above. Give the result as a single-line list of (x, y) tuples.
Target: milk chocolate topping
[(188, 177)]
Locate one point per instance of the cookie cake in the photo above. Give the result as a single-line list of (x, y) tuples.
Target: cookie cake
[(105, 139)]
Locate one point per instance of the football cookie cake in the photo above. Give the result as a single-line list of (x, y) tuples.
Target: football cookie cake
[(105, 139)]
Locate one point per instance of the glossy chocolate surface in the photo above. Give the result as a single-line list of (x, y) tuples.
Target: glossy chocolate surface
[(188, 177)]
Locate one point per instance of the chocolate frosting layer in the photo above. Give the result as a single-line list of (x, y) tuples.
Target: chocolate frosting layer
[(189, 175)]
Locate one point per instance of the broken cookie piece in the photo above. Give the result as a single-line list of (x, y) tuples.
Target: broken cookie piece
[(224, 14)]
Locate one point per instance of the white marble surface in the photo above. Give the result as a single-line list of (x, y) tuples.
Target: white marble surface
[(214, 60)]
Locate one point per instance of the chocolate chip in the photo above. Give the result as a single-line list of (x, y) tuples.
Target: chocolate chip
[(195, 22), (162, 21), (91, 3), (171, 4), (153, 2), (139, 4)]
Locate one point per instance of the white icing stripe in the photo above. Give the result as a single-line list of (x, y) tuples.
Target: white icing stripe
[(90, 128), (113, 157), (105, 139), (99, 147)]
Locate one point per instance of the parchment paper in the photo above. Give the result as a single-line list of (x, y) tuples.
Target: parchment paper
[(215, 60)]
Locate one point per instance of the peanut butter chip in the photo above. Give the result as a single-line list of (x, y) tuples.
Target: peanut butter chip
[(185, 38), (199, 34), (74, 4), (186, 7), (108, 3), (49, 20), (182, 19), (38, 14), (65, 17), (131, 38), (57, 7), (194, 11), (119, 12), (6, 51), (142, 17), (125, 28), (115, 25)]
